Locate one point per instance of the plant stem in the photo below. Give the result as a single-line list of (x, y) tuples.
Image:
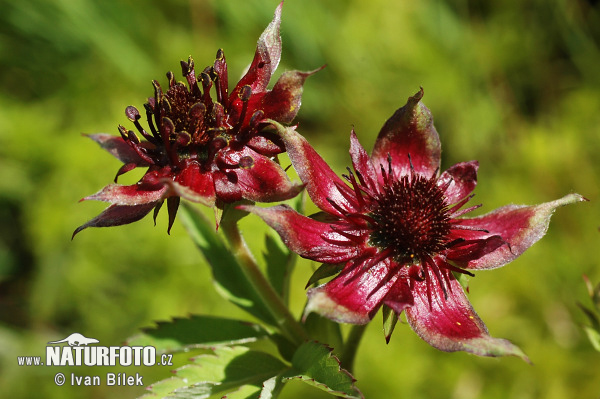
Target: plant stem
[(283, 318), (351, 347)]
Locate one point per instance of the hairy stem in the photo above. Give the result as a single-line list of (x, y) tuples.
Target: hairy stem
[(274, 303)]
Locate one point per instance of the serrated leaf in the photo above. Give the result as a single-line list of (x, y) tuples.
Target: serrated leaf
[(244, 392), (314, 365), (272, 387), (228, 274), (324, 271), (227, 370), (390, 318), (162, 388), (197, 332)]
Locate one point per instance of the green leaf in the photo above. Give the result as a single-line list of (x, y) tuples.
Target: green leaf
[(229, 277), (279, 260), (236, 370), (197, 332), (593, 336), (324, 271), (314, 365), (279, 263), (593, 318), (244, 392), (272, 387), (390, 318), (322, 329)]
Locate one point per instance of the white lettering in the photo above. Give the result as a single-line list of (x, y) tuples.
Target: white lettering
[(67, 357), (114, 354), (102, 356), (149, 355), (125, 356), (53, 356)]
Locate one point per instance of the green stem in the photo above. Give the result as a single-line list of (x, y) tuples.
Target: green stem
[(351, 347), (283, 318)]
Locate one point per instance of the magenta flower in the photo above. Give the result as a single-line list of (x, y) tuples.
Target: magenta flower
[(206, 150), (398, 233)]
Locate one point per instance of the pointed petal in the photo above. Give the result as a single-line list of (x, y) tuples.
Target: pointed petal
[(117, 215), (283, 102), (306, 237), (361, 162), (257, 177), (194, 185), (118, 148), (400, 297), (267, 144), (176, 189), (266, 58), (475, 249), (136, 194), (409, 131), (172, 207), (461, 180), (451, 324), (321, 182), (355, 295), (519, 226)]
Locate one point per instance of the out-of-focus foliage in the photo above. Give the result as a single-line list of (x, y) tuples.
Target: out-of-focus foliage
[(514, 84)]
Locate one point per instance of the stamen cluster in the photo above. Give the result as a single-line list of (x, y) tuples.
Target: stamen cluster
[(411, 218), (185, 122)]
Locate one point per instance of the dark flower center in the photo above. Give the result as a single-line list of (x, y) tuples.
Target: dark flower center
[(186, 123), (179, 101), (411, 218)]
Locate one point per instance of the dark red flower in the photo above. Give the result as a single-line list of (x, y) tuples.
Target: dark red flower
[(206, 150), (398, 234)]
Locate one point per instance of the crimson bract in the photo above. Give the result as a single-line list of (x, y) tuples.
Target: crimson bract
[(211, 151), (398, 234)]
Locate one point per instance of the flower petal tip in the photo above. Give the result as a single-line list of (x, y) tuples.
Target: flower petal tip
[(320, 302), (494, 347)]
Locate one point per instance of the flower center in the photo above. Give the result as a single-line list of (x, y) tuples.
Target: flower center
[(411, 218), (179, 103)]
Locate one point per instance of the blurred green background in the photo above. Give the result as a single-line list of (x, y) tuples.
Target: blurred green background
[(514, 84)]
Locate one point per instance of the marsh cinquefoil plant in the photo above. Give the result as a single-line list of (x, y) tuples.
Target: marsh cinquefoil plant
[(394, 234), (204, 149)]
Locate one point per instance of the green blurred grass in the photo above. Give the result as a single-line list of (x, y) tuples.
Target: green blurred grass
[(512, 84)]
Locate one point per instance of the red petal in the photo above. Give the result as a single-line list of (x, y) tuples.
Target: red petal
[(362, 163), (195, 185), (266, 58), (266, 144), (136, 194), (117, 215), (307, 237), (409, 131), (461, 180), (355, 295), (519, 226), (321, 182), (118, 148), (283, 102), (475, 249), (399, 297), (451, 324), (258, 178)]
